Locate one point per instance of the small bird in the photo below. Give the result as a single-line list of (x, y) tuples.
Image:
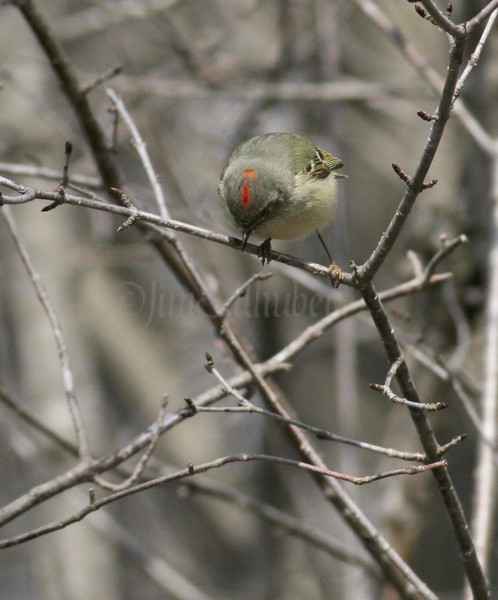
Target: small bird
[(279, 185)]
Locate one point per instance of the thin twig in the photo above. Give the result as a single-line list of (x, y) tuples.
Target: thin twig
[(482, 15), (391, 373), (397, 37), (102, 78), (387, 391), (290, 524), (34, 422), (284, 521), (29, 195), (242, 289), (484, 505), (438, 368), (245, 406), (398, 572), (445, 485), (451, 444), (144, 459), (67, 373), (442, 21), (50, 174), (192, 470), (428, 406), (25, 194), (141, 149), (475, 56), (366, 271), (125, 201)]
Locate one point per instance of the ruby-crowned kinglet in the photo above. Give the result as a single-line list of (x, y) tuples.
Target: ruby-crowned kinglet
[(279, 185)]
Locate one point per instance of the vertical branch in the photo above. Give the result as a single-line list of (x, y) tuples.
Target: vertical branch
[(486, 474), (141, 148), (450, 498), (415, 185), (67, 373)]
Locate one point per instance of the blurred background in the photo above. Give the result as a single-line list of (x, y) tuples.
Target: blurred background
[(198, 78)]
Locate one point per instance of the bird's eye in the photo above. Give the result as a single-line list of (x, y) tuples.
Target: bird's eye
[(263, 213), (266, 210)]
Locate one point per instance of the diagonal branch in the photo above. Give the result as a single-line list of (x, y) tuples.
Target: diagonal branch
[(192, 470), (67, 372), (450, 498), (416, 184)]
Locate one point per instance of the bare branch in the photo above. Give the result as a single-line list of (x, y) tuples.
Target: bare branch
[(429, 407), (25, 194), (416, 184), (288, 91), (396, 36), (245, 406), (202, 468), (476, 55), (450, 498), (102, 78), (486, 473), (125, 201), (242, 289), (144, 459), (141, 148), (402, 577), (442, 21), (50, 174), (152, 219), (272, 515), (67, 373), (289, 524), (482, 15)]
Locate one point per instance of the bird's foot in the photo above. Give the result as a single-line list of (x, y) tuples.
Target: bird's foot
[(265, 251), (335, 274)]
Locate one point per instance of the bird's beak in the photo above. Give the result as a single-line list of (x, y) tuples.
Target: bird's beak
[(245, 236)]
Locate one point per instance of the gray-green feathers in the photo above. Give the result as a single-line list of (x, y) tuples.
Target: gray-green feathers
[(279, 185)]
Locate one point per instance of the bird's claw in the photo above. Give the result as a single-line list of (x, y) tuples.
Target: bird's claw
[(265, 251), (335, 274)]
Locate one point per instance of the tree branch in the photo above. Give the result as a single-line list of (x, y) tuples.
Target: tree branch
[(53, 320)]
